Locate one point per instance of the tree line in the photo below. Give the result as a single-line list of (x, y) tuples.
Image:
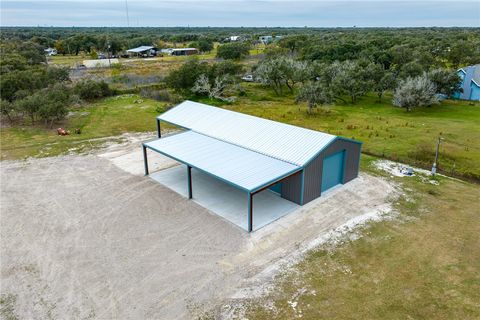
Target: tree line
[(29, 88), (325, 83)]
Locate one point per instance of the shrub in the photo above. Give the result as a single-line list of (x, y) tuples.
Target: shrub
[(90, 90), (234, 50), (159, 95), (184, 77), (415, 92)]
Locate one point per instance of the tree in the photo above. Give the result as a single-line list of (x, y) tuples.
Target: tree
[(446, 81), (204, 45), (295, 71), (54, 106), (30, 105), (185, 77), (383, 80), (315, 94), (226, 67), (203, 86), (350, 79), (283, 71), (270, 72), (7, 108), (293, 43), (387, 82), (60, 46), (461, 52), (415, 92), (411, 69), (233, 50)]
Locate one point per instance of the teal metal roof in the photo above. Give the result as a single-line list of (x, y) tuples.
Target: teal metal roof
[(243, 168), (277, 140)]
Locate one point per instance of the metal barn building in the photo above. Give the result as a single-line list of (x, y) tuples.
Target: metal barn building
[(254, 154)]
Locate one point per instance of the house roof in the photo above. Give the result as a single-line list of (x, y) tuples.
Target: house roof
[(245, 169), (476, 75), (291, 144), (140, 49), (471, 74)]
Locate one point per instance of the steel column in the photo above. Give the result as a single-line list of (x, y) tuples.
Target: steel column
[(250, 212), (145, 162), (302, 188), (159, 133), (189, 173)]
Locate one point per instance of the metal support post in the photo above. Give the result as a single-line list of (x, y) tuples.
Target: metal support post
[(159, 133), (145, 162), (189, 173), (250, 212)]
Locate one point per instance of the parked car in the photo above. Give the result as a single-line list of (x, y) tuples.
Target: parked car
[(248, 78)]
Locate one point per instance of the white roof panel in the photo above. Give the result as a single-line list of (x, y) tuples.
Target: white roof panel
[(140, 49), (281, 141), (244, 168)]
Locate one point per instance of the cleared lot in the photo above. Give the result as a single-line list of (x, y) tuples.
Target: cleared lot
[(82, 237)]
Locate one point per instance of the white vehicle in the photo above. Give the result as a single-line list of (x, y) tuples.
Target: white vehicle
[(50, 52), (248, 78)]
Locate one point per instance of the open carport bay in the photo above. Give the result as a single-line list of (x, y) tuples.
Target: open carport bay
[(225, 200)]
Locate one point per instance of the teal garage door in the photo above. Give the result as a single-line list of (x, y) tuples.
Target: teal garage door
[(277, 188), (332, 172)]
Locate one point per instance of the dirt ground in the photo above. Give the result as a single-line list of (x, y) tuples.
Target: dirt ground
[(89, 237)]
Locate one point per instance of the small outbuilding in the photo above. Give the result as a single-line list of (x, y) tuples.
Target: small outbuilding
[(254, 154), (183, 51)]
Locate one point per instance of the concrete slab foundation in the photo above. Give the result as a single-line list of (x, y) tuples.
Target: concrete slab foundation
[(225, 200)]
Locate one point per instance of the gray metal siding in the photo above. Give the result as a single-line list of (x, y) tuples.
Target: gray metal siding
[(292, 188), (313, 171)]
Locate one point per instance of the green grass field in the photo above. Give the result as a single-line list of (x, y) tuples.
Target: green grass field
[(109, 117), (425, 264), (386, 131)]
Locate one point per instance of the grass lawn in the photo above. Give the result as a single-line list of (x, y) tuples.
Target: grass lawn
[(109, 117), (423, 265), (386, 131)]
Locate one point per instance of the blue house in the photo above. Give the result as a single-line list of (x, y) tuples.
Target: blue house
[(470, 83)]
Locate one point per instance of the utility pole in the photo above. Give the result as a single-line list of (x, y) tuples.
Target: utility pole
[(108, 52), (126, 9), (434, 167)]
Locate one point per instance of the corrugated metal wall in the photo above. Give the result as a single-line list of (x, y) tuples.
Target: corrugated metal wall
[(292, 188), (313, 172)]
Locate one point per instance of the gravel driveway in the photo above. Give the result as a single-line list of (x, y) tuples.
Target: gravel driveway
[(84, 237)]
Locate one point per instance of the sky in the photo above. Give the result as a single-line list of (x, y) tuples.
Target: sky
[(237, 13)]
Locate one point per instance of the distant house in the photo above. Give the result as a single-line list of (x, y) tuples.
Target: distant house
[(233, 38), (268, 39), (470, 83), (184, 51), (143, 51), (50, 52)]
